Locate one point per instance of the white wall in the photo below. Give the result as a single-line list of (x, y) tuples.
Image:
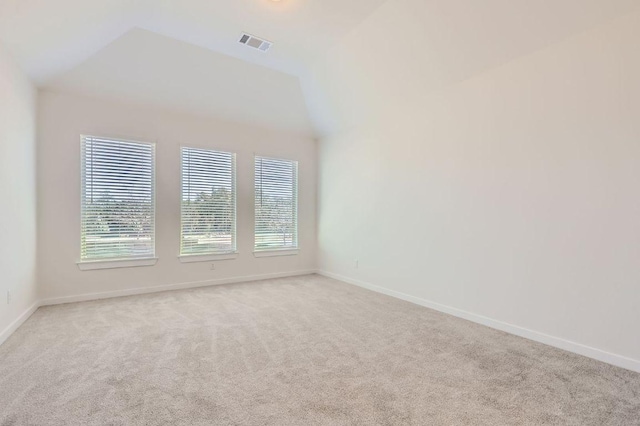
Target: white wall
[(64, 117), (18, 194), (168, 73), (511, 193)]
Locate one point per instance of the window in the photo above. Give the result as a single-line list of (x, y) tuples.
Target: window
[(117, 200), (208, 218), (276, 204)]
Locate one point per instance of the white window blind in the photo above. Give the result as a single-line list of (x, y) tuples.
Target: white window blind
[(208, 202), (276, 204), (118, 199)]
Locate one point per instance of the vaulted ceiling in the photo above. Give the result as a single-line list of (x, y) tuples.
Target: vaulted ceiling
[(52, 36), (184, 53), (148, 68)]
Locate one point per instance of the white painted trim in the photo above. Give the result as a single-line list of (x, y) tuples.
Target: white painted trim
[(557, 342), (192, 258), (8, 331), (276, 252), (169, 287), (11, 328), (112, 264), (600, 355)]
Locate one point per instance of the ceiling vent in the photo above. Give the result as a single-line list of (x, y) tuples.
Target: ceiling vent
[(255, 42)]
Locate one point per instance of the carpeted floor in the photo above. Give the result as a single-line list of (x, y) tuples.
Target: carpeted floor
[(294, 351)]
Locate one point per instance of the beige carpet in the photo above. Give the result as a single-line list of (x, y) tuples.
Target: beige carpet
[(294, 351)]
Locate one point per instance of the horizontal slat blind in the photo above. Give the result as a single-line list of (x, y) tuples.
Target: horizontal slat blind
[(118, 199), (276, 204), (208, 202)]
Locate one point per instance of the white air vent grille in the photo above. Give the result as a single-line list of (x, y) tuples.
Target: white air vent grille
[(255, 42)]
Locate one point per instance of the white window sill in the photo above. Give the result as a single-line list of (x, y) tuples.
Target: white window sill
[(276, 252), (111, 264), (192, 258)]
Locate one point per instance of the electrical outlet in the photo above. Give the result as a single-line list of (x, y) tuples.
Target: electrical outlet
[(213, 266), (8, 297)]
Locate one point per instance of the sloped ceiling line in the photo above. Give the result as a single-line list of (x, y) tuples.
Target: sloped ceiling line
[(324, 50)]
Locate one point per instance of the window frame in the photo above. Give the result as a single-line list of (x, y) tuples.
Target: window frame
[(284, 250), (221, 255), (118, 262)]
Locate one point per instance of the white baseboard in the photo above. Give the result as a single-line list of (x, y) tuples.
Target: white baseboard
[(567, 345), (8, 331), (169, 287), (11, 328), (600, 355)]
